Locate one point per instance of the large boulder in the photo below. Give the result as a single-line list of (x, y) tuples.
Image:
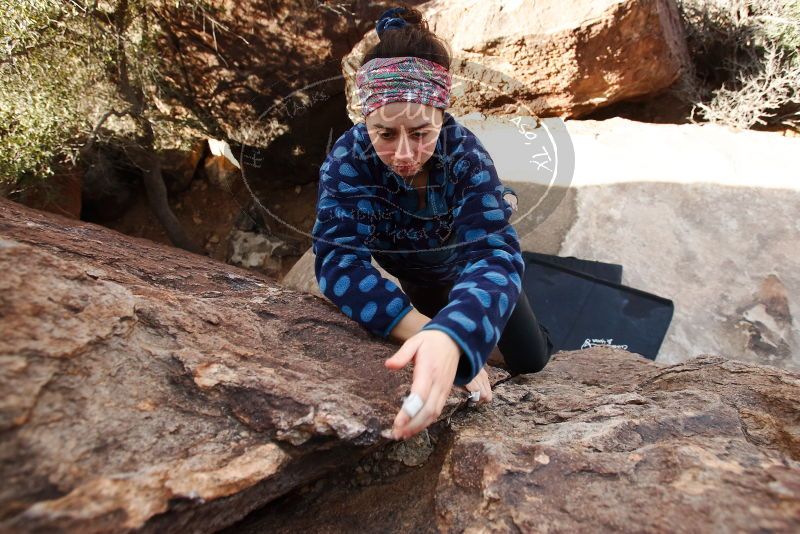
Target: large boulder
[(549, 58), (603, 442), (704, 215), (600, 441), (145, 388), (148, 388)]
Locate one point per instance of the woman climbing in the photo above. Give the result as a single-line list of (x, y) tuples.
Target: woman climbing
[(417, 191)]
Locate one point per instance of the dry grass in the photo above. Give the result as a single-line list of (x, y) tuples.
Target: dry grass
[(746, 61)]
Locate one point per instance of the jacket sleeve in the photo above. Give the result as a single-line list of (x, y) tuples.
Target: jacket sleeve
[(487, 289), (342, 263)]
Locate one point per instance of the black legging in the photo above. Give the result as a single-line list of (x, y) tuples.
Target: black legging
[(524, 343)]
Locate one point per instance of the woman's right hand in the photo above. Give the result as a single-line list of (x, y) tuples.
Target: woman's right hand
[(436, 357)]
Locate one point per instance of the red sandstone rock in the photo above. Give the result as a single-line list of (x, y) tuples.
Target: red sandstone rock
[(145, 387), (549, 58)]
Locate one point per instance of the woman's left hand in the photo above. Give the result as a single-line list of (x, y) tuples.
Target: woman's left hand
[(511, 199), (481, 383)]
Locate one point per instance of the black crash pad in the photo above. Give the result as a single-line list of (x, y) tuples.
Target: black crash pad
[(582, 304), (610, 272)]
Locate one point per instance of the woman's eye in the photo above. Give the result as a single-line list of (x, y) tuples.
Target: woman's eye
[(416, 135)]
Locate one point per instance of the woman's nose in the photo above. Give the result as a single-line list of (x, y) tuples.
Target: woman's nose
[(403, 149)]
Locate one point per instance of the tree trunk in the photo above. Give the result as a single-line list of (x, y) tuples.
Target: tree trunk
[(157, 199), (145, 156)]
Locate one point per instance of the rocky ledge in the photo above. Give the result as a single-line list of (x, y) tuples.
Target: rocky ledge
[(145, 388)]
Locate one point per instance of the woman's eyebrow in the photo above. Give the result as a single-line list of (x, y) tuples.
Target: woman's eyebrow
[(413, 128)]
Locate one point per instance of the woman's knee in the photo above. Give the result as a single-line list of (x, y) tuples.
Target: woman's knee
[(529, 362), (540, 362), (530, 357), (534, 363)]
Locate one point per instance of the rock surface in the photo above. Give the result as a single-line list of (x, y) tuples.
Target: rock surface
[(704, 215), (145, 387), (549, 58), (256, 250), (600, 441), (726, 256)]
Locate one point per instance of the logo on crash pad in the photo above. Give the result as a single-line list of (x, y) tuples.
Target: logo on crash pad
[(592, 342)]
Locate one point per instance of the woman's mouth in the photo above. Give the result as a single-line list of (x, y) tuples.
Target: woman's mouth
[(405, 168)]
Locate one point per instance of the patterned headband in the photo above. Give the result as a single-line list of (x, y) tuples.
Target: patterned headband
[(402, 79)]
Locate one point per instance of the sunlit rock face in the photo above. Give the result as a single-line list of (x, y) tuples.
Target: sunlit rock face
[(549, 58)]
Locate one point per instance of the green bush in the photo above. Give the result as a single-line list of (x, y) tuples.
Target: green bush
[(41, 86), (746, 61), (66, 65)]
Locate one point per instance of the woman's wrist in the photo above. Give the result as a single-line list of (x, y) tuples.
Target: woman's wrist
[(455, 351), (411, 323)]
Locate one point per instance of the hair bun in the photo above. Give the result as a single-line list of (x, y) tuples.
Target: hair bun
[(390, 20)]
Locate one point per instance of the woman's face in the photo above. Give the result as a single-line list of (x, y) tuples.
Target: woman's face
[(404, 134)]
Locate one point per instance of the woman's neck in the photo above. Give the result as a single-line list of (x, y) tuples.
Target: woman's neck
[(418, 179)]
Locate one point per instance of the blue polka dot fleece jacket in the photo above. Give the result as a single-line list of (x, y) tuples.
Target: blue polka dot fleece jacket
[(461, 236)]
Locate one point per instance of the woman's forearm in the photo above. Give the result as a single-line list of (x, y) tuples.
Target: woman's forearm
[(410, 324)]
